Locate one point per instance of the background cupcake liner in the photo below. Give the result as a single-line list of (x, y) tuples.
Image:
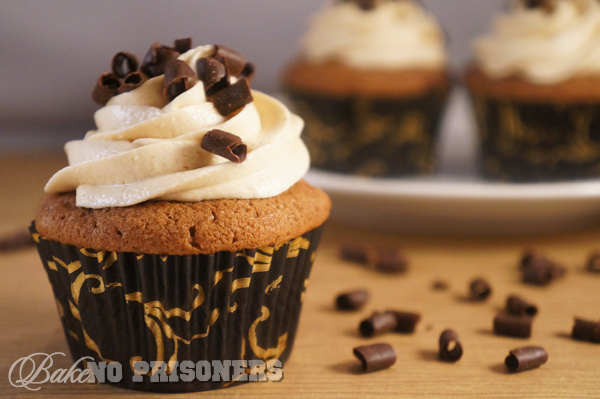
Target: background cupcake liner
[(526, 141), (371, 136), (126, 307)]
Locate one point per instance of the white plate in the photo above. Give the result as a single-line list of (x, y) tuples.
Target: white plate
[(456, 201)]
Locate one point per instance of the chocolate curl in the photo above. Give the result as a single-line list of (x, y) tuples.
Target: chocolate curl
[(248, 71), (375, 357), (234, 62), (519, 307), (593, 264), (132, 81), (177, 73), (377, 324), (536, 269), (450, 347), (526, 358), (440, 285), (106, 87), (15, 241), (213, 74), (354, 253), (512, 326), (406, 322), (480, 290), (182, 45), (547, 5), (233, 98), (586, 330), (123, 64), (156, 59), (363, 4), (225, 145), (351, 301), (390, 261)]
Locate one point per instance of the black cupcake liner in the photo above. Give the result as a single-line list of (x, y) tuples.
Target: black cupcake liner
[(125, 307), (529, 141), (371, 136)]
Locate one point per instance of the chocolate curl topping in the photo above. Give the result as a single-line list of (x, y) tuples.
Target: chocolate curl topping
[(233, 98), (363, 4), (106, 87), (177, 73), (450, 347), (225, 145), (182, 45), (123, 64), (234, 62), (212, 73), (156, 59), (132, 81), (526, 358), (375, 357), (547, 5), (248, 71)]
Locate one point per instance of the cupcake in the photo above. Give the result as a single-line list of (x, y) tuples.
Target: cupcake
[(534, 84), (182, 234), (371, 82)]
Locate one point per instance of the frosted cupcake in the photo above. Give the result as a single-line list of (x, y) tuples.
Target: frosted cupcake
[(371, 83), (182, 233), (535, 84)]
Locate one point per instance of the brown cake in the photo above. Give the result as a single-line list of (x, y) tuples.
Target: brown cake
[(182, 230)]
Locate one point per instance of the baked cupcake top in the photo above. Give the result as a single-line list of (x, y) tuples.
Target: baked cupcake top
[(375, 34), (184, 127), (543, 41)]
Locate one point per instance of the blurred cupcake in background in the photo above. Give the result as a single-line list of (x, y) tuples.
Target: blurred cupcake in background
[(535, 85), (371, 82)]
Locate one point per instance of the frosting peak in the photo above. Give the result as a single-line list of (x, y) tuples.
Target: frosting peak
[(391, 35), (146, 147), (544, 46)]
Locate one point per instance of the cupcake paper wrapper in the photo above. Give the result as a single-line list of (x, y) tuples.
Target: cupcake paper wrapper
[(128, 307), (371, 136), (538, 141)]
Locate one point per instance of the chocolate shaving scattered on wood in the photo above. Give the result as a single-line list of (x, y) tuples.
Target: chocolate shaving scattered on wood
[(390, 261), (15, 241), (479, 290), (354, 253), (177, 73), (406, 322), (593, 263), (224, 144), (536, 269), (106, 87), (353, 300), (233, 97), (519, 307), (512, 326), (377, 324), (440, 285), (526, 358), (234, 62), (182, 45), (450, 347), (123, 64), (132, 81), (375, 357), (212, 73), (586, 330), (156, 59)]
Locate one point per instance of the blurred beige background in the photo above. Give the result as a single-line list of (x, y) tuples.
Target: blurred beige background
[(51, 52)]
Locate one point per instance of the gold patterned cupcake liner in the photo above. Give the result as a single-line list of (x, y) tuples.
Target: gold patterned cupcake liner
[(371, 136), (128, 307), (529, 141)]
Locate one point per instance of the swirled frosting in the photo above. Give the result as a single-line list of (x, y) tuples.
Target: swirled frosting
[(147, 148), (393, 35), (543, 46)]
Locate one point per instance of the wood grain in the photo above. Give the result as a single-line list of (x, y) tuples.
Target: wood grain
[(322, 365)]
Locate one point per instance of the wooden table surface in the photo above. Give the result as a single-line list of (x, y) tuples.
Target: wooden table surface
[(322, 365)]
